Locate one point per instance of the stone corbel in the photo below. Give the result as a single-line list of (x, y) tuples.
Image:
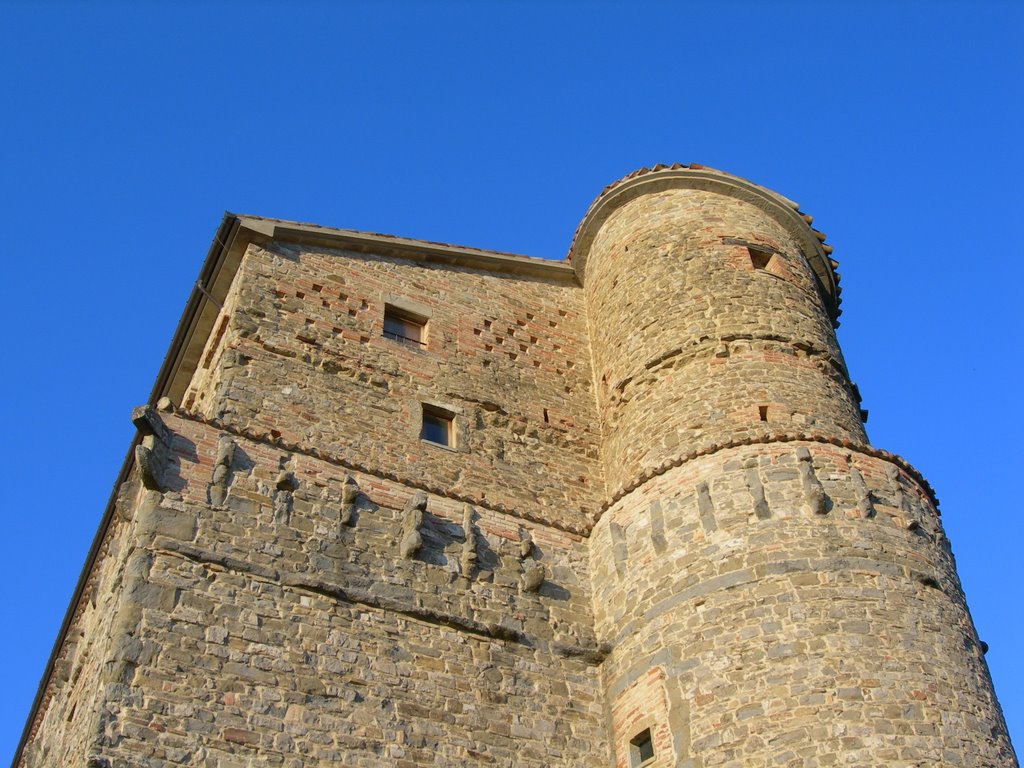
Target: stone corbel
[(864, 505), (534, 573), (349, 499), (814, 493), (284, 489), (468, 559), (222, 470), (152, 454), (412, 519)]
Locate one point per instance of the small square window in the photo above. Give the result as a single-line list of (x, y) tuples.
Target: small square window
[(437, 426), (404, 326), (641, 749)]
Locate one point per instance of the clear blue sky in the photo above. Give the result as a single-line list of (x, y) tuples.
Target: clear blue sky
[(127, 129)]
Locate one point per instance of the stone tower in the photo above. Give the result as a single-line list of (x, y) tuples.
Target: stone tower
[(775, 590), (404, 503)]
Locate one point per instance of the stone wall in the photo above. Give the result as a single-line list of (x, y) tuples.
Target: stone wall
[(799, 619), (773, 591), (305, 360), (71, 708), (285, 616), (691, 341)]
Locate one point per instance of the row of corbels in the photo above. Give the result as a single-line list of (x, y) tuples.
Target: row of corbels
[(534, 572), (270, 438), (151, 456), (286, 484), (815, 500), (767, 439)]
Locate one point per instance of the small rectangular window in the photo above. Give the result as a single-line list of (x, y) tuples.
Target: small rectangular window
[(437, 426), (641, 749), (404, 326)]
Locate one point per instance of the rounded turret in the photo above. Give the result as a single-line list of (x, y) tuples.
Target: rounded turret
[(712, 305), (772, 589)]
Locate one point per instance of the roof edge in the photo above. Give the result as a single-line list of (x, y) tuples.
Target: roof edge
[(409, 248)]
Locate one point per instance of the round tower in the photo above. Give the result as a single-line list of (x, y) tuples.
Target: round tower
[(774, 591)]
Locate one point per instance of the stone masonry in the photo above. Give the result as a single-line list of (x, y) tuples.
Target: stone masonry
[(651, 532)]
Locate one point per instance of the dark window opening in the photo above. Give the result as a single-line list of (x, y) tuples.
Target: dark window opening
[(546, 419), (762, 410), (760, 259), (641, 748), (405, 327), (437, 426)]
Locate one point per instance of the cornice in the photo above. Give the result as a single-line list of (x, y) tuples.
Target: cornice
[(423, 251)]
